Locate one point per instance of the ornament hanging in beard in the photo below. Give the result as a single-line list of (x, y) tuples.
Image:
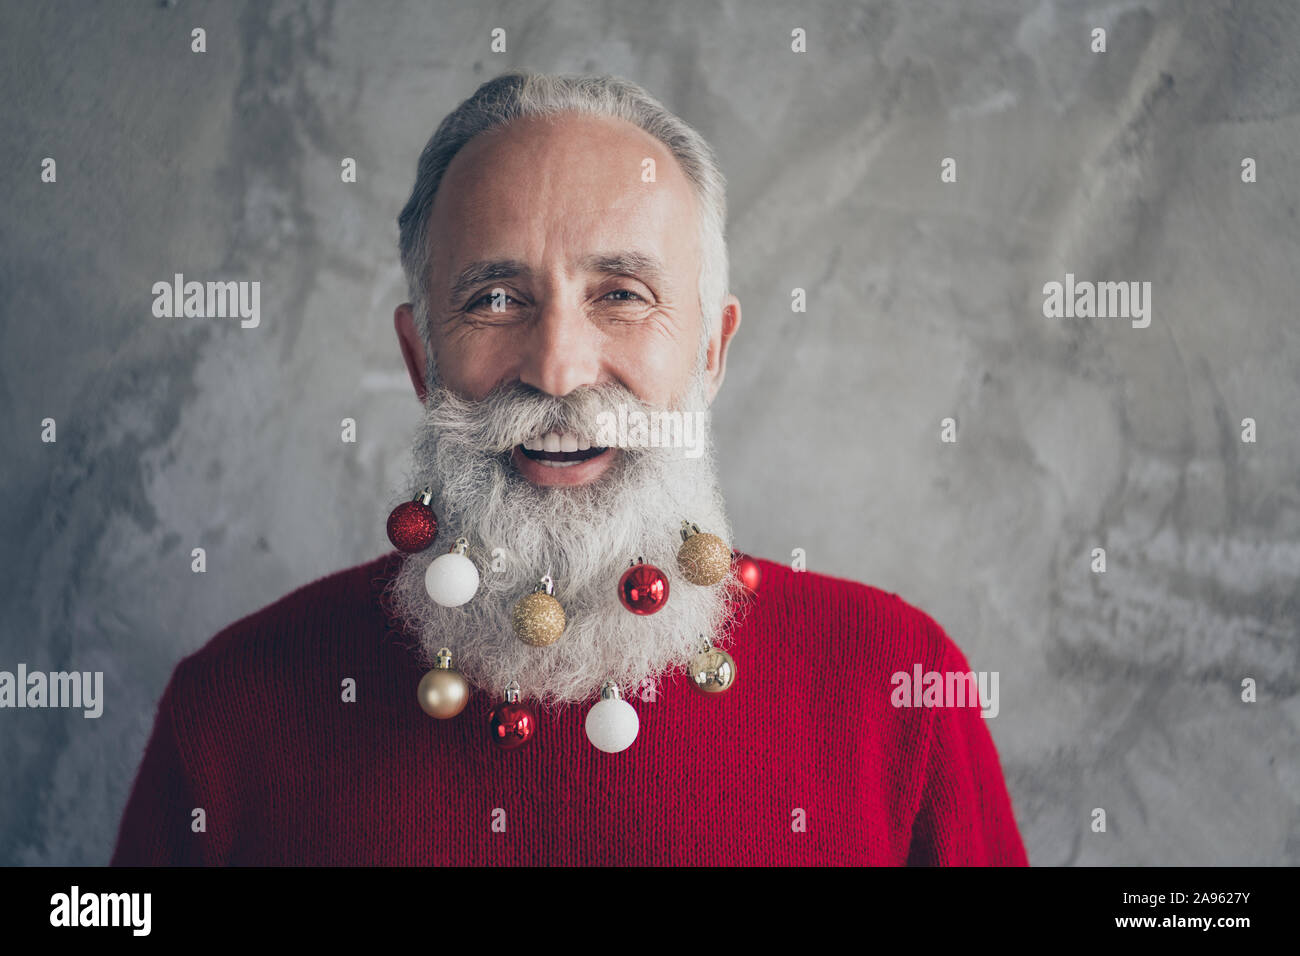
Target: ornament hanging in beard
[(412, 525), (612, 723), (538, 618), (704, 559), (443, 692), (712, 671), (747, 571), (512, 723), (643, 588), (452, 579)]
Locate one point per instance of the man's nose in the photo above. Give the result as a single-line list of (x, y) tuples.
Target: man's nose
[(562, 350)]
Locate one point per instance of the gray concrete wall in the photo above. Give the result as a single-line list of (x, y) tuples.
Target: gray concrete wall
[(1119, 690)]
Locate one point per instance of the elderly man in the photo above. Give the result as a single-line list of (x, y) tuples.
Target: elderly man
[(565, 662)]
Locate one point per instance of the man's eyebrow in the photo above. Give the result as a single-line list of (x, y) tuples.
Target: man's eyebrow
[(644, 266), (639, 264), (487, 270)]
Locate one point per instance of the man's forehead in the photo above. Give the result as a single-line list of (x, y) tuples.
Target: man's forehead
[(593, 148), (581, 177)]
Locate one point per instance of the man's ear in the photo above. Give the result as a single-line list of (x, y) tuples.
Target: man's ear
[(717, 359), (408, 338)]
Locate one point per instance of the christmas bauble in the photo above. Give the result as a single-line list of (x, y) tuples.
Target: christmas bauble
[(538, 618), (704, 558), (452, 579), (712, 671), (443, 691), (612, 723), (512, 724), (643, 589), (412, 526), (747, 569)]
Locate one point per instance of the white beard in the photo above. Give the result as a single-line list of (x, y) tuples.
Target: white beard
[(584, 537)]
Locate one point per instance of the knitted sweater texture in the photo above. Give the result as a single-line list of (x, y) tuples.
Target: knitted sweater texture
[(804, 761)]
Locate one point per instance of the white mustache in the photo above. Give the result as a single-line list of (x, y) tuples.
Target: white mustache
[(514, 413)]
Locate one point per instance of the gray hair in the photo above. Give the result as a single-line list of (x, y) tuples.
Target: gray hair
[(516, 95)]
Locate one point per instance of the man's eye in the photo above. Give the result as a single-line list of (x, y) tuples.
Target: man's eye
[(488, 298), (625, 292)]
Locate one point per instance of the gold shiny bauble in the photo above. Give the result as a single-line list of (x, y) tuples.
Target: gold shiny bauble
[(443, 693), (704, 559), (712, 671), (538, 619)]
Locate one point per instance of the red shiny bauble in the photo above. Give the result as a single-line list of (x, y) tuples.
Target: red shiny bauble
[(412, 526), (512, 724), (747, 569), (643, 589)]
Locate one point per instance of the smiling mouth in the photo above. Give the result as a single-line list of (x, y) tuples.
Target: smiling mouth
[(560, 449)]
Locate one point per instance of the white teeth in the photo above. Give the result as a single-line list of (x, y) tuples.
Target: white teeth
[(558, 464), (557, 441)]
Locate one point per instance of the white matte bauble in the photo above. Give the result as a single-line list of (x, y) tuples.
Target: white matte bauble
[(612, 723), (452, 578)]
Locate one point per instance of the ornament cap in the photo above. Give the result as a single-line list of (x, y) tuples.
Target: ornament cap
[(424, 497), (610, 691), (512, 692), (689, 529), (545, 585), (444, 659), (461, 546)]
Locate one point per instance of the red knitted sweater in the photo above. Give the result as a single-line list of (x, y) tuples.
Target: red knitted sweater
[(803, 761)]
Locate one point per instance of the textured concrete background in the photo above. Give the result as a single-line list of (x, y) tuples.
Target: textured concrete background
[(1118, 690)]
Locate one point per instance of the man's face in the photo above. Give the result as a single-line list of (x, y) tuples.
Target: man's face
[(595, 273), (598, 273)]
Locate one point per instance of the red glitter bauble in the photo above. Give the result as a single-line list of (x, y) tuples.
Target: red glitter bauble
[(643, 589), (512, 724), (412, 526), (747, 568)]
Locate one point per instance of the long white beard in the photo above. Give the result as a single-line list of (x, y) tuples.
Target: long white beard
[(584, 537)]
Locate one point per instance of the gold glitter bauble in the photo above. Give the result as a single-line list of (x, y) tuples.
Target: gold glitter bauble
[(704, 559), (538, 619)]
